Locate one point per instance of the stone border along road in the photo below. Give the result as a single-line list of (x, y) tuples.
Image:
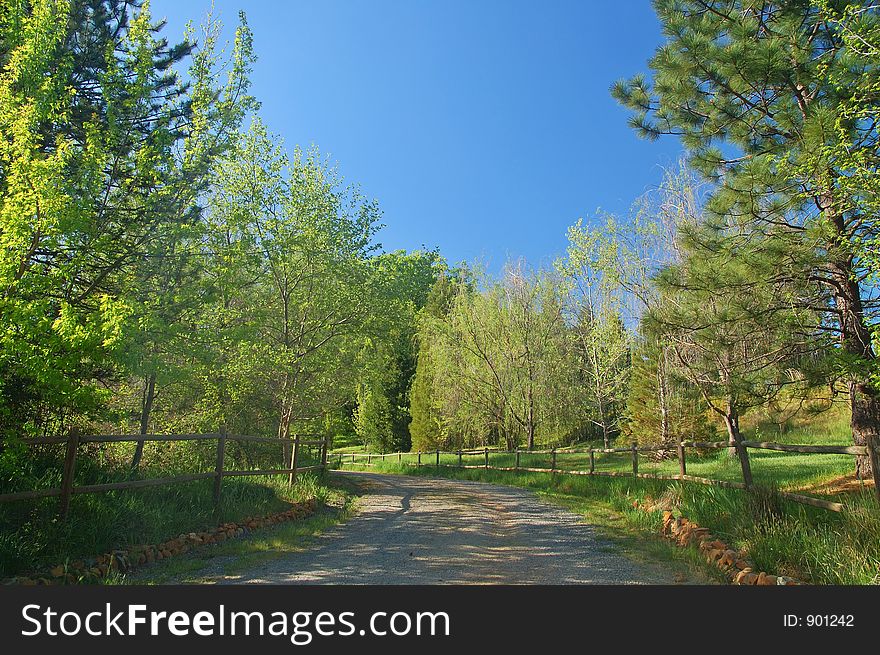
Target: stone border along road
[(414, 530)]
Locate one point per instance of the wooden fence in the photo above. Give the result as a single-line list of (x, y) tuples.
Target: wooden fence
[(433, 459), (74, 440)]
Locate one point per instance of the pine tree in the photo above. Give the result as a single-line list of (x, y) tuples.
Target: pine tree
[(754, 90)]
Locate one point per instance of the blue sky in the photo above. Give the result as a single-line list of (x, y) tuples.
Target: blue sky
[(484, 128)]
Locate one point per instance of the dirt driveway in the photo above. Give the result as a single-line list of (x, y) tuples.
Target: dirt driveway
[(414, 530)]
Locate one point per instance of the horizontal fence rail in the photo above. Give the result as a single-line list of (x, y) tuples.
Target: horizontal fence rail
[(432, 458), (74, 440)]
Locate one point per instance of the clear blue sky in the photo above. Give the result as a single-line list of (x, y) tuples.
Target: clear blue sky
[(482, 127)]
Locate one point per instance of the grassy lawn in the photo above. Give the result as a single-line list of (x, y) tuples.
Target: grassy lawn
[(788, 471), (347, 443)]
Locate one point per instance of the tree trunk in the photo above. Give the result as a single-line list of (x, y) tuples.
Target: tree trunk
[(855, 340), (284, 433), (731, 421), (531, 417), (865, 421), (149, 396), (662, 398)]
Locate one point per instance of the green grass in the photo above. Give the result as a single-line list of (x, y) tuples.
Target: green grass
[(231, 558), (785, 471), (781, 537), (32, 537), (789, 471), (347, 443)]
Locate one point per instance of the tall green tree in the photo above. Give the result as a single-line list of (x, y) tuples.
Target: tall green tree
[(611, 268), (401, 283), (291, 277), (426, 427), (721, 341), (164, 292), (500, 360), (661, 408), (90, 112), (754, 90), (595, 304)]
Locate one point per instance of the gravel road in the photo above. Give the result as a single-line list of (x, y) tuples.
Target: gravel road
[(413, 530)]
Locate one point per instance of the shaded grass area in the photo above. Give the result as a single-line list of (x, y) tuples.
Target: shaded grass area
[(781, 537), (229, 559), (347, 443), (32, 537)]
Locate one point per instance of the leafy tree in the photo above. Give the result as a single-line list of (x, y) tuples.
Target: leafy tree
[(611, 269), (90, 111), (401, 285), (291, 278), (373, 415), (602, 342), (662, 409), (427, 428), (500, 358), (165, 293)]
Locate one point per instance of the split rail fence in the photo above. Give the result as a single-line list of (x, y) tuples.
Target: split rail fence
[(432, 458), (74, 440)]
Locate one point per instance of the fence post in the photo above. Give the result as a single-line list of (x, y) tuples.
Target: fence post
[(69, 471), (369, 458), (437, 464), (517, 459), (459, 458), (592, 462), (553, 465), (294, 460), (487, 457), (218, 468), (325, 448), (874, 458), (635, 448), (419, 461), (399, 456), (682, 465), (745, 464), (340, 460)]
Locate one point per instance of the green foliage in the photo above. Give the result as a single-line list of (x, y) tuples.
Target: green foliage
[(686, 413), (373, 416), (426, 428), (402, 284), (498, 362), (771, 100), (90, 114)]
